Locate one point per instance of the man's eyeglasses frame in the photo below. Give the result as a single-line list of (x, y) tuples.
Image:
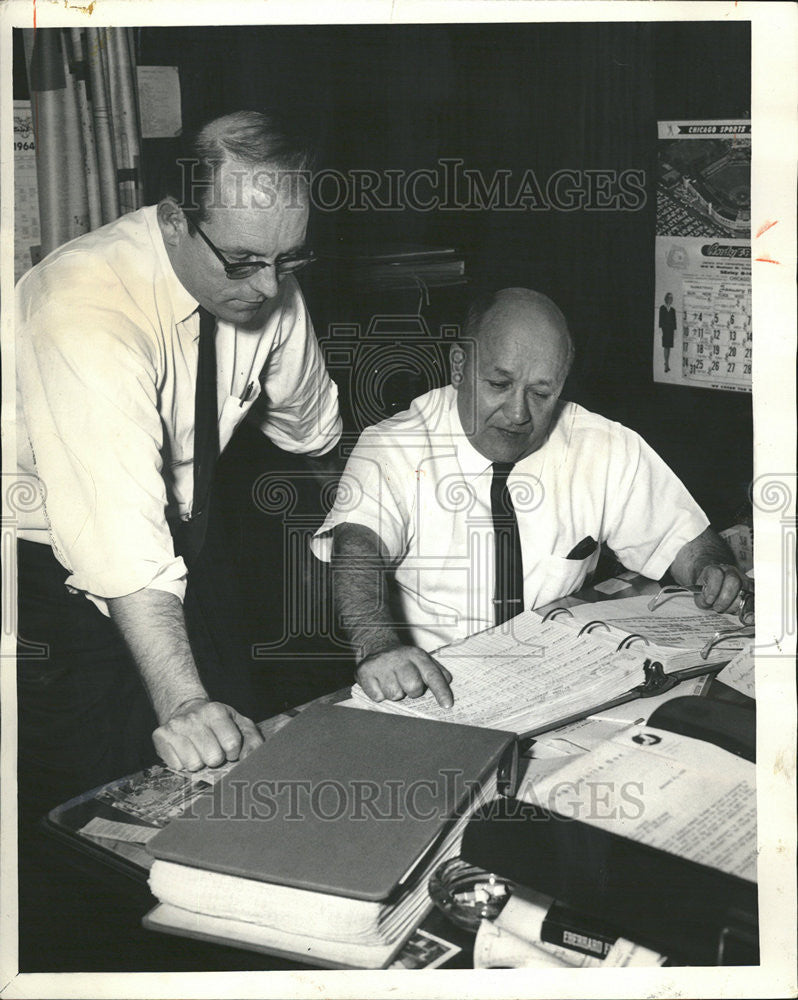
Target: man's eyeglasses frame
[(236, 270)]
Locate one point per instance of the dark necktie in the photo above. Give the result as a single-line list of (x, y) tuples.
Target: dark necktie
[(191, 534), (508, 595)]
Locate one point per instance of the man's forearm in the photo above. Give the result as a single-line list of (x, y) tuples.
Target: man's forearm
[(360, 569), (388, 667), (708, 549), (152, 624)]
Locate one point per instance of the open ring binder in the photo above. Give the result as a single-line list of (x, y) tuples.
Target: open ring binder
[(671, 589), (630, 639), (591, 625), (747, 631), (744, 608), (623, 644), (551, 615)]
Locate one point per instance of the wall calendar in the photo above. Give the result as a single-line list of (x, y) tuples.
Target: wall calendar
[(702, 316)]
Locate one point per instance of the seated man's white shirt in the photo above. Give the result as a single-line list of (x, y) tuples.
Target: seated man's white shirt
[(417, 482), (107, 342)]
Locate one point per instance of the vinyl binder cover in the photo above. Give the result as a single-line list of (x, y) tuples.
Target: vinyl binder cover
[(341, 800)]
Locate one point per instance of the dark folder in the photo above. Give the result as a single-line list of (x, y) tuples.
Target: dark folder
[(341, 801), (695, 914)]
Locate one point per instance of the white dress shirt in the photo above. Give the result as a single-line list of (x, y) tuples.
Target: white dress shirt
[(107, 341), (419, 484)]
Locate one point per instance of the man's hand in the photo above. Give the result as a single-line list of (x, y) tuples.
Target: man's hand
[(707, 562), (721, 585), (204, 733), (194, 731), (388, 669), (404, 670)]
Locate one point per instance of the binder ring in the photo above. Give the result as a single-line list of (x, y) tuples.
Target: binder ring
[(549, 616), (721, 635), (629, 639), (745, 607), (591, 625), (672, 588)]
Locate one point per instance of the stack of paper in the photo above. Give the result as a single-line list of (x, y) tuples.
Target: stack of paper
[(398, 265), (315, 926), (321, 842)]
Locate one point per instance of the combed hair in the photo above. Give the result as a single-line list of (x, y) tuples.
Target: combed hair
[(255, 138)]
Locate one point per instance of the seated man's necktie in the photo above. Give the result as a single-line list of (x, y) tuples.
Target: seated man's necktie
[(508, 594)]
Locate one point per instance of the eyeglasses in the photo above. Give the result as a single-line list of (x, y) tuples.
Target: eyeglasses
[(235, 270)]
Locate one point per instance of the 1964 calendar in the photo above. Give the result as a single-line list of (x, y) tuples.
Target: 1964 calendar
[(703, 255), (26, 199)]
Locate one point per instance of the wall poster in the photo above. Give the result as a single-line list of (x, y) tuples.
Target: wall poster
[(702, 313)]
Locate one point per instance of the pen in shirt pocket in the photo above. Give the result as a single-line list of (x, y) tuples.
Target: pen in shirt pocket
[(246, 394)]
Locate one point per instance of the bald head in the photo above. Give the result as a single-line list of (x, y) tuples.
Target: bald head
[(525, 315), (509, 371)]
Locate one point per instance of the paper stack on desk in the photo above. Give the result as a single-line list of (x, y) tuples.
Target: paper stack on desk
[(651, 830), (396, 266), (319, 845)]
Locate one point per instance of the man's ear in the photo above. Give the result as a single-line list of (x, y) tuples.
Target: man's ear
[(457, 363), (172, 221)]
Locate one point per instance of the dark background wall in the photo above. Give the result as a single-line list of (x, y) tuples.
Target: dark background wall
[(509, 96), (513, 97)]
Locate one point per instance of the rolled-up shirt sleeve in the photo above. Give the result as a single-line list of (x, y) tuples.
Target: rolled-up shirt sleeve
[(650, 513), (370, 493), (300, 405), (89, 383)]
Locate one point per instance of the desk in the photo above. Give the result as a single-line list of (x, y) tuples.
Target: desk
[(82, 902)]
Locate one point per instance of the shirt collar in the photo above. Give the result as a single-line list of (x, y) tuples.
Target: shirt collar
[(182, 302)]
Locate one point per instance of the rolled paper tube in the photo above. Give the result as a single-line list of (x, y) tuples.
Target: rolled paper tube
[(495, 948), (524, 917), (626, 954)]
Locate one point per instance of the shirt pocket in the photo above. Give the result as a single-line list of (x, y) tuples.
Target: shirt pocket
[(563, 576), (234, 409)]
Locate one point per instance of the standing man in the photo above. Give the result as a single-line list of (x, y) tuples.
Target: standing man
[(492, 495), (140, 348)]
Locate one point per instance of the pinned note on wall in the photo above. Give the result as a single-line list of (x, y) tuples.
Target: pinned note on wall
[(159, 101)]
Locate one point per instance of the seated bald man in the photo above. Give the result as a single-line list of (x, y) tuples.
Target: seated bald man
[(418, 500)]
